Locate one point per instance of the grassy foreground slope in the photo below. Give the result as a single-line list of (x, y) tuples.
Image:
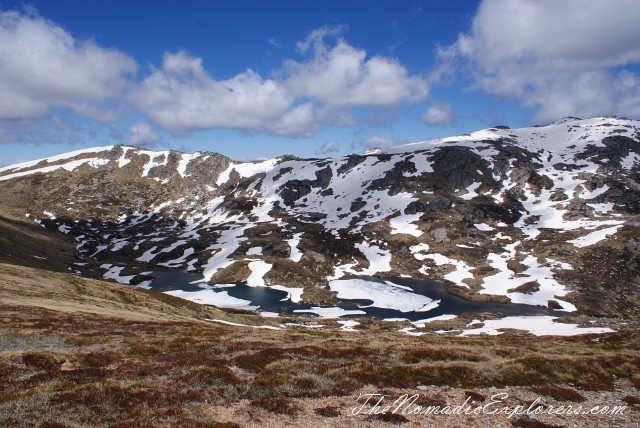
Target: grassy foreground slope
[(79, 352), (25, 243)]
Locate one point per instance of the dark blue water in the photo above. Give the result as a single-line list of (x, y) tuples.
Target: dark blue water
[(176, 279), (272, 300)]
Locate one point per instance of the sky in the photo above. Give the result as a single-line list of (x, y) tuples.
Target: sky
[(261, 79)]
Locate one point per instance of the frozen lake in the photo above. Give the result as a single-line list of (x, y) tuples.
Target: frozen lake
[(358, 296)]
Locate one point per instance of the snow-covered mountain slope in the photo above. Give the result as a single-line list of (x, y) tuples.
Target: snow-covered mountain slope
[(542, 215)]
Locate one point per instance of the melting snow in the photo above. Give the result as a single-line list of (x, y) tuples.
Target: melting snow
[(384, 295), (404, 224), (185, 159), (483, 227), (471, 192), (70, 166), (421, 323), (416, 250), (155, 159), (268, 314), (269, 327), (506, 279), (179, 261), (258, 269), (114, 273), (537, 325), (209, 296), (293, 293), (594, 237), (347, 325), (296, 254), (56, 158), (410, 332), (254, 251), (227, 244), (330, 312), (461, 269), (148, 255), (247, 169), (379, 259)]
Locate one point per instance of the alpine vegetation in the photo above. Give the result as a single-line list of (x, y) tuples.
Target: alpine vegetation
[(544, 216)]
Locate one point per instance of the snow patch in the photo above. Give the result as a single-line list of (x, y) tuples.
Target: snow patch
[(185, 159), (293, 293), (209, 296), (330, 312), (460, 272), (70, 166), (258, 269), (348, 325), (471, 192), (383, 295), (254, 251), (594, 237), (52, 159), (404, 224), (483, 227), (114, 273), (536, 325), (445, 317), (296, 254)]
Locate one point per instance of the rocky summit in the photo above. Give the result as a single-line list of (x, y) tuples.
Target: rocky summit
[(546, 215)]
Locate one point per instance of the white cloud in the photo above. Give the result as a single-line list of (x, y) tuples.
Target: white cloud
[(142, 134), (343, 76), (315, 39), (301, 97), (301, 120), (437, 114), (182, 97), (330, 147), (558, 57), (382, 142), (43, 66)]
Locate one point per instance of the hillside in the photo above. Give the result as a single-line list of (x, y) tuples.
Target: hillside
[(543, 215), (79, 352), (27, 289), (533, 233)]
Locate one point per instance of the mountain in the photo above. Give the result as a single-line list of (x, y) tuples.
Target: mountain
[(546, 215)]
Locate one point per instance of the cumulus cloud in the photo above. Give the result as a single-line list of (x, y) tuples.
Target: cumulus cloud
[(142, 134), (181, 97), (437, 114), (43, 66), (343, 75), (382, 142), (315, 39), (330, 147), (558, 57)]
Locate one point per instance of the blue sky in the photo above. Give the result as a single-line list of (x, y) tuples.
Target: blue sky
[(258, 79)]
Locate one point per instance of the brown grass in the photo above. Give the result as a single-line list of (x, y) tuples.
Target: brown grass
[(123, 363), (532, 423), (328, 411), (559, 393), (276, 405)]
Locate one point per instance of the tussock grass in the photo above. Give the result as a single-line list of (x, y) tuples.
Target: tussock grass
[(155, 363), (559, 393)]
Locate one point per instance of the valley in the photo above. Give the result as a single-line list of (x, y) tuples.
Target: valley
[(542, 216), (157, 288)]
